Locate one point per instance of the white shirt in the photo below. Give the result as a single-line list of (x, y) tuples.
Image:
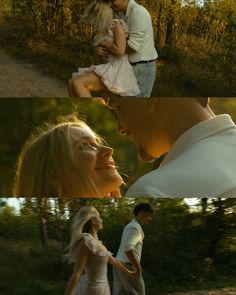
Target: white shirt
[(140, 33), (201, 163), (132, 239)]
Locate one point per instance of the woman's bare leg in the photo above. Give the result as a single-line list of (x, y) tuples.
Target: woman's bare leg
[(83, 86)]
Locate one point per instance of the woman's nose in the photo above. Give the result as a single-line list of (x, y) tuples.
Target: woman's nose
[(106, 151)]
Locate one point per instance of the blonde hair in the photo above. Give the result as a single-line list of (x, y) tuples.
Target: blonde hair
[(48, 165), (99, 15), (80, 220)]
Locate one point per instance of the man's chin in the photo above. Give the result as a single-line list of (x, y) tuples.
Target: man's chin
[(145, 157)]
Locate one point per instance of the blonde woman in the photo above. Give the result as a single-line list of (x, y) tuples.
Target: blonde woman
[(90, 256), (115, 76), (67, 160)]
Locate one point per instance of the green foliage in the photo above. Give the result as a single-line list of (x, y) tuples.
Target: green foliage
[(32, 113), (16, 227), (176, 250), (196, 42)]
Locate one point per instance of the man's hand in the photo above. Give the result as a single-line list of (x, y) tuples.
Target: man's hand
[(136, 265), (102, 53), (138, 272)]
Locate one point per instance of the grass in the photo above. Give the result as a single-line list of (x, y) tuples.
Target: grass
[(169, 285), (190, 69), (57, 57)]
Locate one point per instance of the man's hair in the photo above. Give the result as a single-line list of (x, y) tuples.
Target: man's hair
[(203, 101), (146, 207)]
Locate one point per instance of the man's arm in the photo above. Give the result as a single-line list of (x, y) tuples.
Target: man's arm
[(134, 262), (129, 246)]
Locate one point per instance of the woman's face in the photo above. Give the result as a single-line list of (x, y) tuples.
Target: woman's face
[(95, 163), (97, 222)]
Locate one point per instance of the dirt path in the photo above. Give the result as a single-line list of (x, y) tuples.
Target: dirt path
[(224, 291), (19, 79)]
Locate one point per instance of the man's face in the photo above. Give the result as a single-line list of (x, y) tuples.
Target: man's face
[(119, 5), (144, 217), (135, 119)]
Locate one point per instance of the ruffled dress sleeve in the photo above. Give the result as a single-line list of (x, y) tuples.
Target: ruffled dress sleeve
[(123, 24), (91, 244)]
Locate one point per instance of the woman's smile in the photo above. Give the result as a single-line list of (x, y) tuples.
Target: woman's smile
[(110, 164)]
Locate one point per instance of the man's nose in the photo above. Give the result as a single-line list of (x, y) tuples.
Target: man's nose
[(121, 129)]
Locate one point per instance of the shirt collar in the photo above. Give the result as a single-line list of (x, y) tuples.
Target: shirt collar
[(198, 132), (136, 221)]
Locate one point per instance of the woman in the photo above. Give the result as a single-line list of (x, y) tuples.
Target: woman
[(117, 74), (67, 160), (90, 256)]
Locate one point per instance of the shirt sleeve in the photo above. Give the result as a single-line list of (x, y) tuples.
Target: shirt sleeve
[(133, 237), (137, 28)]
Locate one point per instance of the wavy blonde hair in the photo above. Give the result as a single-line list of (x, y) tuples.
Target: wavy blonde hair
[(99, 15), (80, 221), (48, 165)]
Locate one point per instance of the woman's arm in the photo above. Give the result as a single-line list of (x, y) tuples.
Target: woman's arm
[(81, 259), (117, 264), (117, 47)]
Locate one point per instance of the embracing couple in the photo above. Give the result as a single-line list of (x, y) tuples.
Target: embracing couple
[(126, 46), (90, 256)]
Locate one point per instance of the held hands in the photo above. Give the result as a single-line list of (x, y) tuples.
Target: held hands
[(136, 273), (102, 53)]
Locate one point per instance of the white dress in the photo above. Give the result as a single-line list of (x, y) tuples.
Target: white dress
[(117, 74), (94, 280)]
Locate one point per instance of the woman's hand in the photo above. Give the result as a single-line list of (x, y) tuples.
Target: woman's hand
[(134, 274), (102, 53)]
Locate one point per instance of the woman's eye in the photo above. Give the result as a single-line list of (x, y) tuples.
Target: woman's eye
[(91, 146)]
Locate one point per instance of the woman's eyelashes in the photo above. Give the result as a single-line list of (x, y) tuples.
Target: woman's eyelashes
[(89, 146)]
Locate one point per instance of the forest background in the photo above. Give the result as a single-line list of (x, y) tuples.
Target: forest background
[(20, 117), (195, 39), (187, 246)]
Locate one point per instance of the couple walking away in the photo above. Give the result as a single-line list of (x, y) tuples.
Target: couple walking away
[(126, 48), (91, 257)]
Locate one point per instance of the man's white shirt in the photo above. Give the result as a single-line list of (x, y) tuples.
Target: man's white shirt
[(201, 163), (131, 240), (140, 33)]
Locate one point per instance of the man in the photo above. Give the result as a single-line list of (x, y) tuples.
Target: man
[(130, 251), (140, 44), (200, 147)]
